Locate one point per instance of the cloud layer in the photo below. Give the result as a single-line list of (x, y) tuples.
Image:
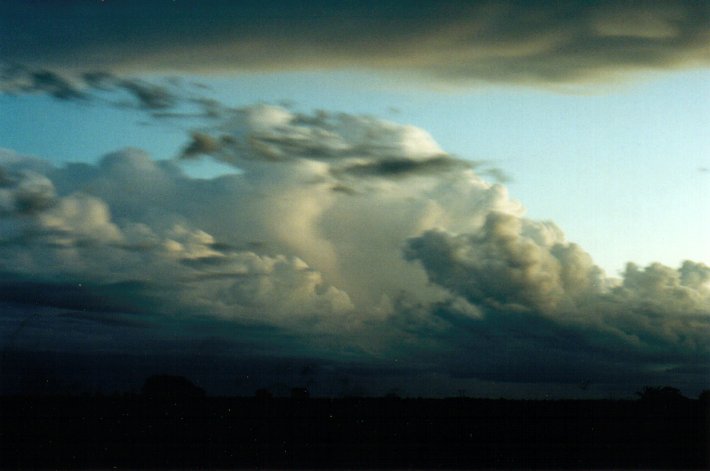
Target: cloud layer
[(352, 237), (452, 41)]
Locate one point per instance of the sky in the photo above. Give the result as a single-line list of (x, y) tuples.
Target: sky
[(358, 197)]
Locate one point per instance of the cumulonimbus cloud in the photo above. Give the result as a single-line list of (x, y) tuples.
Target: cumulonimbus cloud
[(452, 41), (348, 227)]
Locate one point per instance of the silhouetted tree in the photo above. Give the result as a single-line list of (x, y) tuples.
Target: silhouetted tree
[(167, 386), (300, 393), (394, 393), (660, 394), (704, 396)]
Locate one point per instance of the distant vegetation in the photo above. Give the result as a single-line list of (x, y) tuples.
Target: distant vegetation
[(167, 386), (172, 424), (660, 394)]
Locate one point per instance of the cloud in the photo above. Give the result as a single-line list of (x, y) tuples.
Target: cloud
[(94, 86), (396, 167), (342, 237), (149, 96), (508, 267), (510, 263), (105, 300), (17, 79), (101, 318), (508, 41), (25, 192), (353, 146), (202, 144)]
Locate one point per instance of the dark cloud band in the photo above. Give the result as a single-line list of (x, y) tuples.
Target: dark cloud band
[(507, 41)]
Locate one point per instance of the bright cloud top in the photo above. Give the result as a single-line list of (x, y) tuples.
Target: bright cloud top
[(341, 227)]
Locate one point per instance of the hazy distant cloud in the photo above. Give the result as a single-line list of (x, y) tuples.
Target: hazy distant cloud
[(351, 236), (453, 41)]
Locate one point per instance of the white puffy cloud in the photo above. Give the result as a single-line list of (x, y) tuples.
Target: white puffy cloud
[(506, 267), (129, 219), (79, 217), (280, 287), (503, 269)]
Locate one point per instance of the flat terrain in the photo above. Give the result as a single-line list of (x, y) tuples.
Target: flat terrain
[(130, 432)]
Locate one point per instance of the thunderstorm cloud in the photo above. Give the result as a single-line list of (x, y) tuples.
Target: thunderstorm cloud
[(346, 237)]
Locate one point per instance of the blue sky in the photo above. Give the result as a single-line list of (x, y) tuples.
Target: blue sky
[(420, 196)]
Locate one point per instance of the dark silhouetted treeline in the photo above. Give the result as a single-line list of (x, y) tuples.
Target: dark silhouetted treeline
[(193, 431)]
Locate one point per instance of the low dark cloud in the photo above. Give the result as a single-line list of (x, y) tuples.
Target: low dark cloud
[(102, 318), (506, 41), (122, 297)]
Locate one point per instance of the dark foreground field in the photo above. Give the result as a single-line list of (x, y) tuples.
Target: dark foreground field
[(130, 432)]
